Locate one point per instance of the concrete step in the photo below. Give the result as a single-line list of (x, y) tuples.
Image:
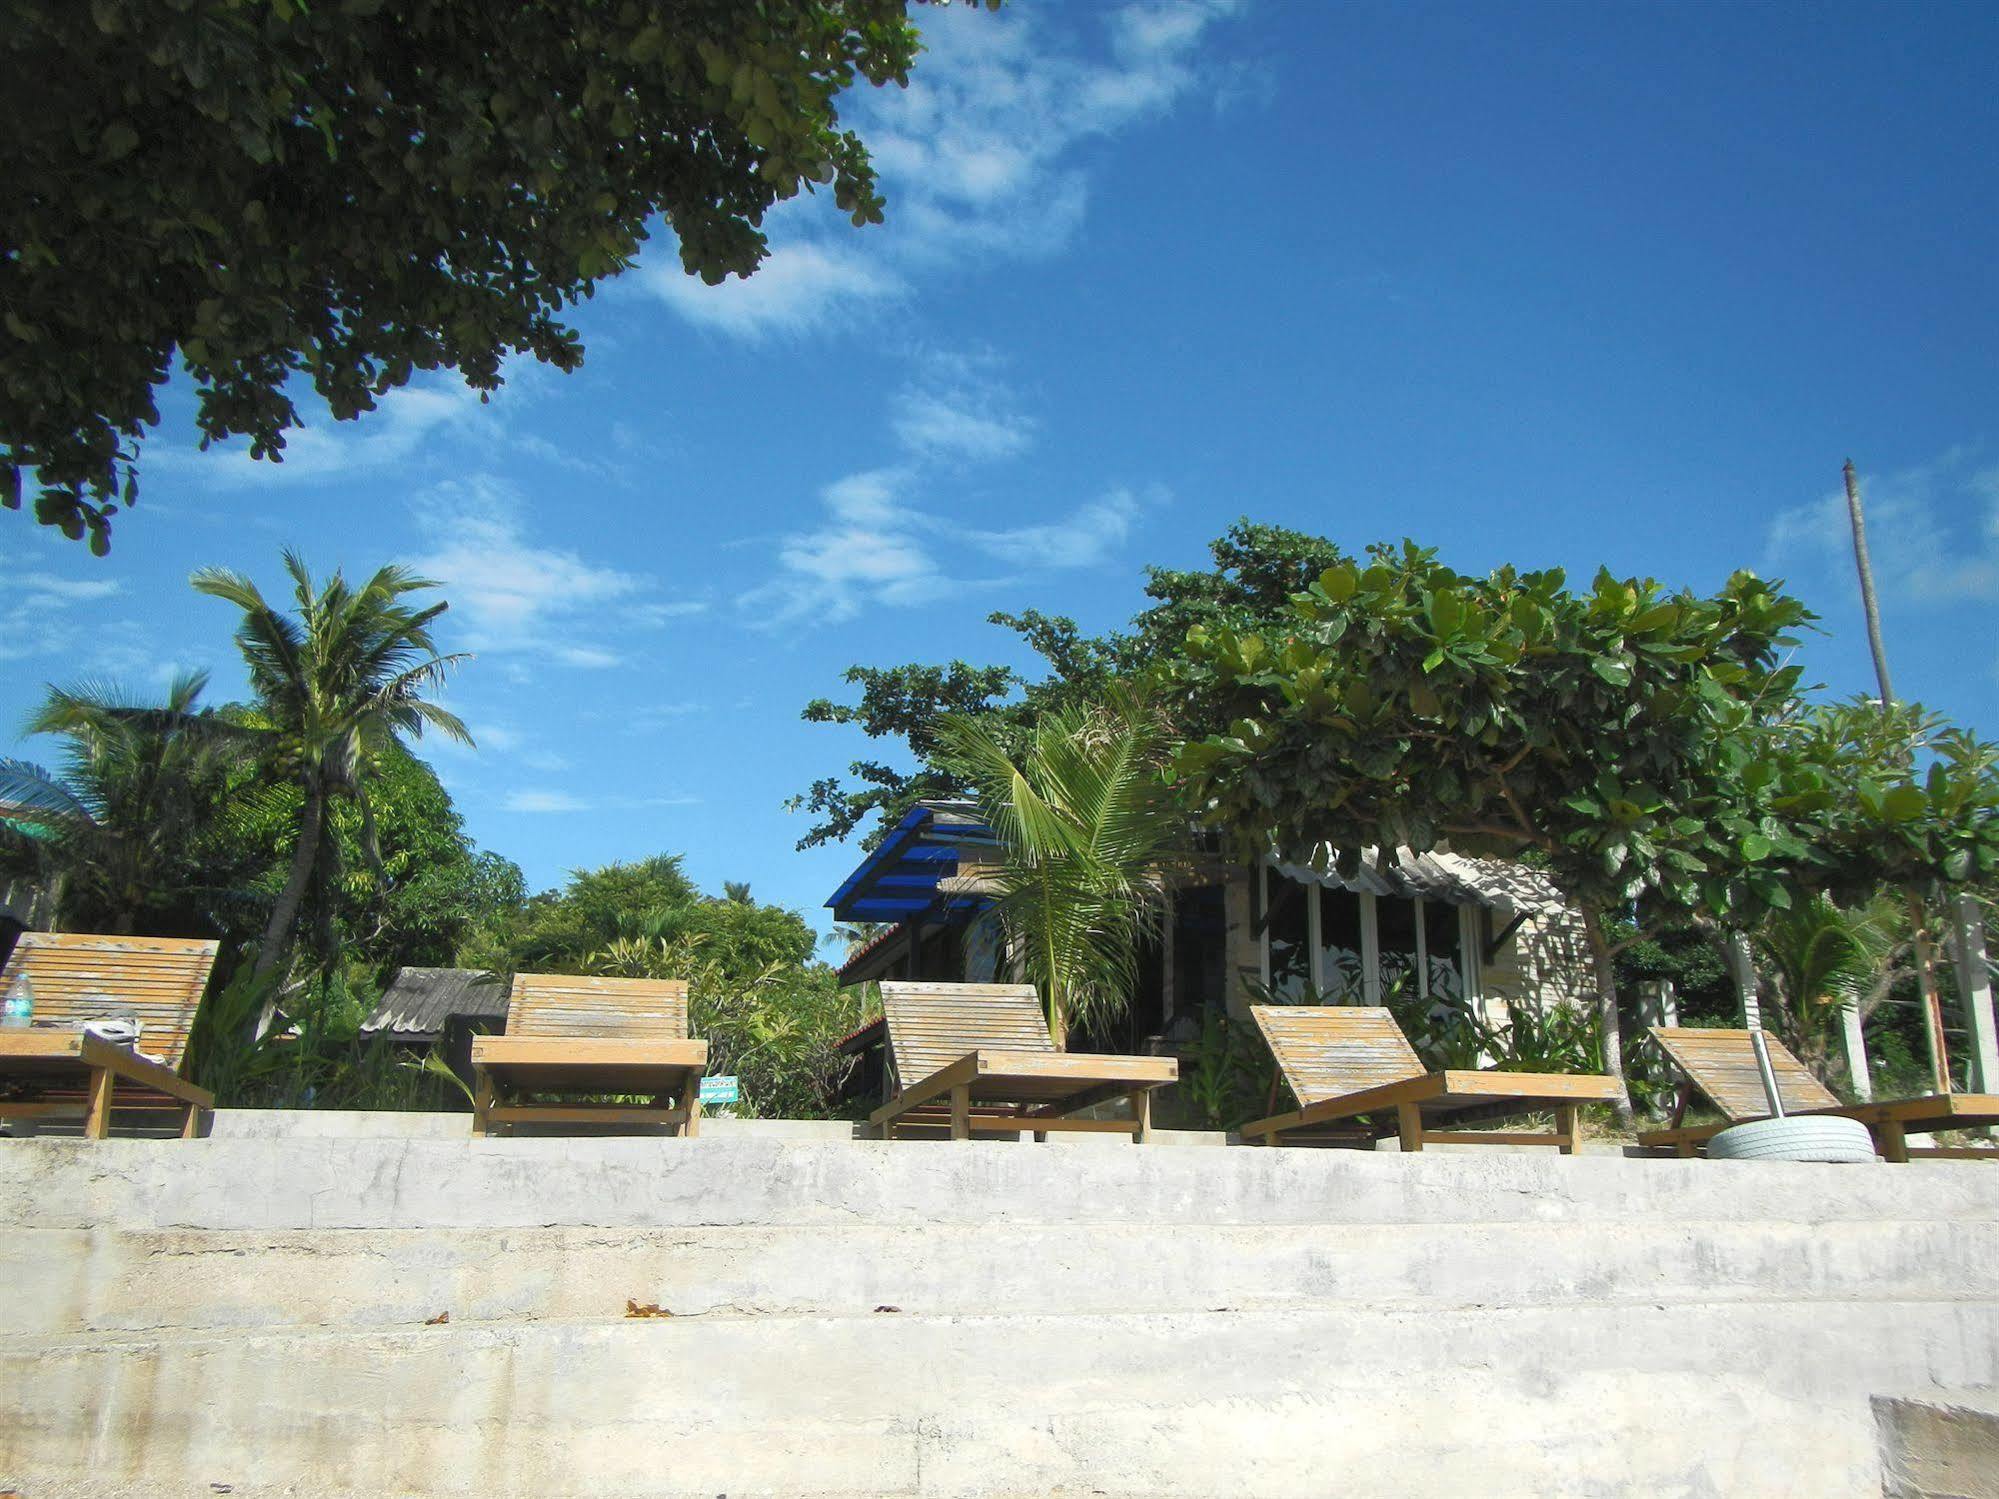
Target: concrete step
[(1584, 1397), (76, 1280), (262, 1184)]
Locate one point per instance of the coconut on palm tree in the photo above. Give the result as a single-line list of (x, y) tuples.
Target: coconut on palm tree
[(1087, 826), (338, 682)]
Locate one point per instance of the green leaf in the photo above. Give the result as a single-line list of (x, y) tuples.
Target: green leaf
[(1904, 803), (1614, 672), (1339, 582), (1756, 848)]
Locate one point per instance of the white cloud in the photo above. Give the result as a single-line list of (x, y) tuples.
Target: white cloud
[(1080, 540), (510, 592), (975, 156), (956, 407), (799, 287), (49, 591), (543, 801), (1932, 533), (392, 435), (878, 548)]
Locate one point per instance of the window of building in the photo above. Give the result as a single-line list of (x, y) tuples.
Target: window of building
[(1351, 948)]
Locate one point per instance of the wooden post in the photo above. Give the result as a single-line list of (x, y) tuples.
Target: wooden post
[(1894, 1142), (1743, 967), (691, 1125), (482, 1104), (961, 1112), (1141, 1113), (1926, 978), (1856, 1053), (1974, 983), (97, 1123), (1409, 1122), (190, 1128), (1568, 1128)]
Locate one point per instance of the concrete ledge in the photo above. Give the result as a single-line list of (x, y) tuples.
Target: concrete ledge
[(1356, 1401), (649, 1183), (1944, 1446)]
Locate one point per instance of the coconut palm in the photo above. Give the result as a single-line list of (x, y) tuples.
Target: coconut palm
[(115, 823), (1086, 825), (1822, 958), (337, 683)]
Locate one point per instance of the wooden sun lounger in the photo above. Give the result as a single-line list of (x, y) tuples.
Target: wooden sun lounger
[(573, 1035), (53, 1070), (1721, 1065), (1353, 1072), (976, 1059)]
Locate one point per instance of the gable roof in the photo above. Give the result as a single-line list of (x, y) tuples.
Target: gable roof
[(421, 1000)]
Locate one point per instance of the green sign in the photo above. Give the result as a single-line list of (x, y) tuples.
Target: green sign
[(719, 1090)]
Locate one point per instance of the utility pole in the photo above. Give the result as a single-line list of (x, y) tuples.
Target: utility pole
[(1926, 969)]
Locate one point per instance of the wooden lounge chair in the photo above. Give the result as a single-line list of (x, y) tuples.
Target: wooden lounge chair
[(53, 1070), (579, 1035), (1721, 1065), (976, 1059), (1357, 1080)]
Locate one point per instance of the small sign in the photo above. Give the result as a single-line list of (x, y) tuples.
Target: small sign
[(719, 1090)]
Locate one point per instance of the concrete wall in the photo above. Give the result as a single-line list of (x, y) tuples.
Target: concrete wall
[(970, 1319)]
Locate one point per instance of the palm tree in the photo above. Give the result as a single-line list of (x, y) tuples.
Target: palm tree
[(1822, 959), (114, 826), (337, 683), (1087, 825)]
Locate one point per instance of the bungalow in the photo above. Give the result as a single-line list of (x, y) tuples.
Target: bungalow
[(440, 1007), (1484, 931)]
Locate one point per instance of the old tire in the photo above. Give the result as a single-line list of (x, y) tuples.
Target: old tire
[(1798, 1138)]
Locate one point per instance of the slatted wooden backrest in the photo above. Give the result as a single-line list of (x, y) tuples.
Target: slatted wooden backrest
[(157, 981), (1329, 1051), (567, 1004), (931, 1025), (1722, 1064)]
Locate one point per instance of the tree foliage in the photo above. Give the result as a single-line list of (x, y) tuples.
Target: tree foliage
[(337, 687), (1087, 827), (354, 190), (1256, 570)]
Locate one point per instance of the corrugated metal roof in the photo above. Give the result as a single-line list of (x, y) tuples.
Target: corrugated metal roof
[(1509, 888), (421, 999)]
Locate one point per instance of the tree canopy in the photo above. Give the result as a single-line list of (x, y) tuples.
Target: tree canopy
[(355, 190)]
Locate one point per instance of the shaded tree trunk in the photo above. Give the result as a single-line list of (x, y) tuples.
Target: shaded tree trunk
[(1604, 963), (277, 932)]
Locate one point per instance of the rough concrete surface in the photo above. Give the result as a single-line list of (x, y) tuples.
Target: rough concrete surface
[(845, 1318)]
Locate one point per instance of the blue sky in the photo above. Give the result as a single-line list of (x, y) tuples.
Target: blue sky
[(1549, 284)]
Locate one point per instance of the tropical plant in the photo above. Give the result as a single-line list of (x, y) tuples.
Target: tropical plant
[(1821, 960), (116, 825), (286, 193), (1087, 826), (1607, 731), (338, 685)]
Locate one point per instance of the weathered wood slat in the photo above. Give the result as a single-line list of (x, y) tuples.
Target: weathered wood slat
[(571, 1033), (1344, 1062), (157, 981), (1722, 1064), (988, 1044)]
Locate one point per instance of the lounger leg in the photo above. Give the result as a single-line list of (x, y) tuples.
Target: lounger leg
[(1041, 1137), (97, 1123), (191, 1126), (1892, 1140), (1568, 1131), (1409, 1120), (888, 1129), (1686, 1148), (1141, 1115), (961, 1112), (691, 1126), (482, 1104)]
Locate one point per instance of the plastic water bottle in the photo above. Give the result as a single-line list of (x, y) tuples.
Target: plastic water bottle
[(18, 1012)]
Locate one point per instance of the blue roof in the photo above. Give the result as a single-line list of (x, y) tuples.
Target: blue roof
[(899, 879)]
